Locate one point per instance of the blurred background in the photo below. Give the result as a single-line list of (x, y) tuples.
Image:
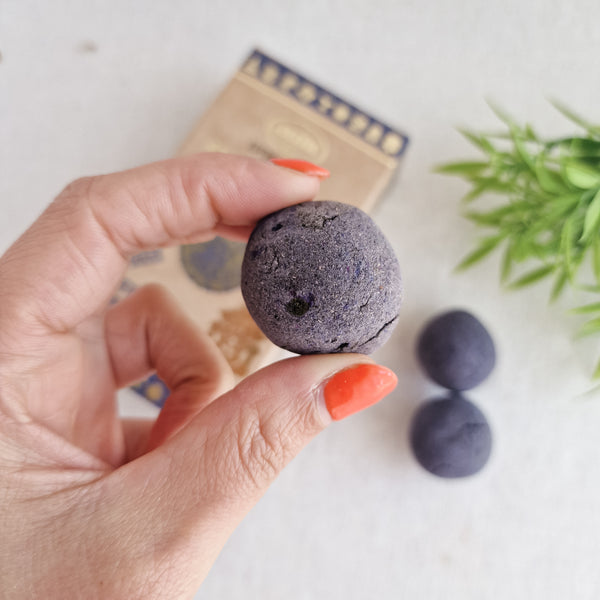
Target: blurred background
[(90, 87)]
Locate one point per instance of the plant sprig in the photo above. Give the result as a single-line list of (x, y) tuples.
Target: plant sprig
[(547, 218)]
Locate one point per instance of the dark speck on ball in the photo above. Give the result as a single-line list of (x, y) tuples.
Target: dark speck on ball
[(456, 350), (320, 277), (450, 437)]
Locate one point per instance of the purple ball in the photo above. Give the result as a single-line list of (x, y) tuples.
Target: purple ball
[(451, 437), (456, 350), (320, 277)]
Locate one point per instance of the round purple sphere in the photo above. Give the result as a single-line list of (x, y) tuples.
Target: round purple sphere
[(320, 277), (456, 350), (450, 437)]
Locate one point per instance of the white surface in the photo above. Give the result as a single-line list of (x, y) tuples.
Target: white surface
[(354, 517)]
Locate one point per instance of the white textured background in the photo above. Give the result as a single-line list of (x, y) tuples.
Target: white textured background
[(95, 86)]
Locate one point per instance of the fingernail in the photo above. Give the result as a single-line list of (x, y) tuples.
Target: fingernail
[(301, 165), (356, 388)]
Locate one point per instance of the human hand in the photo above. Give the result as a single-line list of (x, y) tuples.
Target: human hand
[(94, 506)]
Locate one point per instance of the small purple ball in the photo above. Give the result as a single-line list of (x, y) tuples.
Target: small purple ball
[(451, 437), (320, 277), (456, 350)]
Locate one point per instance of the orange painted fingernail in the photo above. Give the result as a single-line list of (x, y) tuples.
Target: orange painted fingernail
[(303, 166), (356, 388)]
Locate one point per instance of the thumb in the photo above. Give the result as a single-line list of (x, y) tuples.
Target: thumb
[(253, 432), (213, 471)]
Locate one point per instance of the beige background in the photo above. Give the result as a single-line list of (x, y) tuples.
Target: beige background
[(95, 86)]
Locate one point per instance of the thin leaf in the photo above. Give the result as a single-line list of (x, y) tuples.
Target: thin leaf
[(549, 180), (484, 185), (586, 308), (522, 149), (596, 373), (483, 219), (596, 258), (465, 168), (560, 206), (497, 216), (507, 263), (581, 175), (592, 218), (503, 116), (566, 246), (479, 141), (484, 248), (475, 193), (589, 328), (521, 249), (593, 130), (584, 148), (530, 134), (532, 277), (559, 285)]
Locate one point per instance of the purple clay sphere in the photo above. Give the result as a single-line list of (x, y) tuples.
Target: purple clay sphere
[(451, 437), (320, 277), (456, 350)]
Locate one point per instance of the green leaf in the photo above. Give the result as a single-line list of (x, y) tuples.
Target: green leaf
[(559, 285), (479, 141), (475, 193), (592, 218), (586, 308), (566, 245), (560, 206), (503, 116), (483, 185), (507, 263), (596, 258), (497, 216), (484, 248), (532, 277), (593, 130), (596, 373), (530, 134), (581, 175), (589, 328), (465, 168), (526, 157), (550, 181), (483, 219), (584, 148), (521, 247)]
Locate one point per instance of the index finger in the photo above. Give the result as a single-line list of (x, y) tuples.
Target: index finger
[(66, 266)]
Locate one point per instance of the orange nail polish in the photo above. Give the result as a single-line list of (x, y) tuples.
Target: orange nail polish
[(301, 165), (355, 388)]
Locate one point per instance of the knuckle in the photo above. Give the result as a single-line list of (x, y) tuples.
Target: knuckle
[(261, 449), (77, 189), (68, 210), (156, 294)]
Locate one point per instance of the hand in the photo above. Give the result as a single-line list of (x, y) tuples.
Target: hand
[(94, 506)]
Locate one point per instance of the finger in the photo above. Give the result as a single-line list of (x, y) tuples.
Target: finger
[(148, 332), (136, 433), (204, 480), (66, 266)]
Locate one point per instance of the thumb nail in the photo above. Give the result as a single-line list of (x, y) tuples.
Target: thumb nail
[(303, 166), (356, 388)]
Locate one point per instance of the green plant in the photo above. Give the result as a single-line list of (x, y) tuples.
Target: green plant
[(546, 208)]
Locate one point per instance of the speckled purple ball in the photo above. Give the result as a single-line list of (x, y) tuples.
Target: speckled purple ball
[(320, 277)]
